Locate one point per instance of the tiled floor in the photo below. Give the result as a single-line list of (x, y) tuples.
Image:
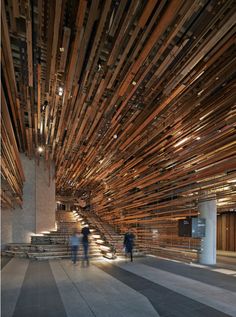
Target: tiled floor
[(147, 287)]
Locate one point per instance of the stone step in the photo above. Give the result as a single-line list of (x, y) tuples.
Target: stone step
[(40, 258), (18, 254), (43, 248), (61, 223), (43, 254), (21, 254)]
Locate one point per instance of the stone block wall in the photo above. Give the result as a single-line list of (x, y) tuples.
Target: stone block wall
[(38, 210)]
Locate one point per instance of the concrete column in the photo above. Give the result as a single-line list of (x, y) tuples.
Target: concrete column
[(38, 210), (45, 198), (6, 227), (23, 219), (208, 211), (39, 204)]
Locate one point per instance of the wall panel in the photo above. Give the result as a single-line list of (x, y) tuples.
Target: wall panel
[(226, 232)]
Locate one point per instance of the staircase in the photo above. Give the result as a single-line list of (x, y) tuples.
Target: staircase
[(54, 244), (104, 241), (112, 240)]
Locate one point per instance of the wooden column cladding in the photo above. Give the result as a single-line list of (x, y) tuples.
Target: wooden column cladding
[(134, 101)]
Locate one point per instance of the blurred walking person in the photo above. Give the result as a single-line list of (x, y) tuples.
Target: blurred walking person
[(74, 243), (85, 242), (129, 244)]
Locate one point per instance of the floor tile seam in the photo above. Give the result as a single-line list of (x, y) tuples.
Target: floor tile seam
[(121, 282), (107, 284), (61, 285), (109, 275), (195, 265), (195, 278), (134, 292), (34, 268), (198, 266), (204, 305), (5, 263), (76, 288), (21, 273), (188, 280), (202, 299)]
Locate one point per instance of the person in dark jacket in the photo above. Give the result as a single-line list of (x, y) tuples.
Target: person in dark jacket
[(129, 244), (85, 241)]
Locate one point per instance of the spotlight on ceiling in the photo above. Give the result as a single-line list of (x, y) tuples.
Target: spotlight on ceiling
[(44, 106), (181, 141), (115, 136), (134, 83), (60, 91), (40, 149)]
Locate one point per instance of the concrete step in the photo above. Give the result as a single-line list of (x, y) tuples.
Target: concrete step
[(17, 254), (66, 253), (45, 248), (40, 258)]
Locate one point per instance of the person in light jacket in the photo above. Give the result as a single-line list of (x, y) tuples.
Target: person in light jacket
[(74, 243)]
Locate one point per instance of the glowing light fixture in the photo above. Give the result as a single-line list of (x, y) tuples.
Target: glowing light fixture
[(207, 114), (232, 181), (200, 92), (181, 142), (40, 149), (60, 91)]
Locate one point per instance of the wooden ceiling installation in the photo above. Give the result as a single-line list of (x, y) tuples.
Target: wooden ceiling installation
[(134, 100)]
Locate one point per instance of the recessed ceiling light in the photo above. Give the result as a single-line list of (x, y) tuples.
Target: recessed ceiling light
[(134, 83), (40, 149), (198, 138), (60, 91), (115, 136), (62, 49)]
